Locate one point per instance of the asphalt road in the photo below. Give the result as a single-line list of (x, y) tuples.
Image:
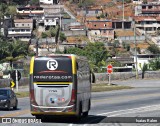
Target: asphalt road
[(142, 101)]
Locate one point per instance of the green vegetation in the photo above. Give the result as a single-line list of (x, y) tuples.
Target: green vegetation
[(154, 49), (44, 35), (52, 32), (126, 46), (154, 64), (7, 10), (144, 69), (116, 44), (95, 52), (110, 4), (34, 2), (86, 3), (12, 50), (66, 15), (106, 87), (144, 1), (62, 37), (22, 94), (127, 1)]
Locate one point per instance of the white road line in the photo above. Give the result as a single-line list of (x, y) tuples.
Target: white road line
[(127, 111), (134, 109)]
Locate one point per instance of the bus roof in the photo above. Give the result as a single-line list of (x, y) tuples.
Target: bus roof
[(69, 55)]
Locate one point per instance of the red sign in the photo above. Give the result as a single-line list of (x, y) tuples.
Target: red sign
[(109, 69)]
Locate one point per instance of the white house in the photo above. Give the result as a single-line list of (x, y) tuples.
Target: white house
[(144, 58), (49, 1), (23, 23), (50, 21), (24, 34), (137, 1)]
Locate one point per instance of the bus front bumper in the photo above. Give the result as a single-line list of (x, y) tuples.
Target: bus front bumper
[(43, 110)]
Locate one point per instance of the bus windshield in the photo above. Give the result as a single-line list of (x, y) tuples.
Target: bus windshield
[(56, 69)]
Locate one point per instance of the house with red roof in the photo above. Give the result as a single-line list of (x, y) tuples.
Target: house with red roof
[(100, 29), (147, 17)]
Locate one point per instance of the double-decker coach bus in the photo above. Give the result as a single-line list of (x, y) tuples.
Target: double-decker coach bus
[(60, 85)]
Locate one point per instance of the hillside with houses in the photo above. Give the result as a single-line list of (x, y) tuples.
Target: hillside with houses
[(129, 29)]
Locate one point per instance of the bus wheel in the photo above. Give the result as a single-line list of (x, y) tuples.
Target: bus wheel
[(79, 112), (89, 105), (38, 117), (85, 114)]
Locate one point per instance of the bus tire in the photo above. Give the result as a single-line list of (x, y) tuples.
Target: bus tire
[(38, 117), (89, 105), (85, 114), (80, 111)]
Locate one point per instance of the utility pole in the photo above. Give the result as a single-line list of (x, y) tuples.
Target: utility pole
[(37, 44), (123, 10), (135, 43), (60, 23), (56, 38), (58, 31)]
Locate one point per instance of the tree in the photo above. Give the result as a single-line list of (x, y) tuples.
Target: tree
[(116, 43), (3, 49), (44, 35), (6, 10), (96, 53), (52, 31), (128, 47), (34, 2), (127, 1), (86, 3), (154, 49), (12, 51), (144, 69), (12, 10), (138, 50), (114, 62), (75, 50), (124, 45), (62, 37), (154, 64), (3, 12), (144, 1)]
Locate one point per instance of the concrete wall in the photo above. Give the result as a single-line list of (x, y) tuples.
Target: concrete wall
[(126, 75), (131, 38), (99, 77), (74, 33), (6, 82)]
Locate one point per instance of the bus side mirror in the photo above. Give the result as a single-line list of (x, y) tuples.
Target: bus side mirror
[(77, 65), (92, 77)]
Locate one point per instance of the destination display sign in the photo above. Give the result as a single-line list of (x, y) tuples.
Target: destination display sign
[(52, 69)]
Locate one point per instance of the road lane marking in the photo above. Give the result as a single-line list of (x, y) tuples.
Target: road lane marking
[(125, 97), (123, 112), (14, 114), (140, 109)]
